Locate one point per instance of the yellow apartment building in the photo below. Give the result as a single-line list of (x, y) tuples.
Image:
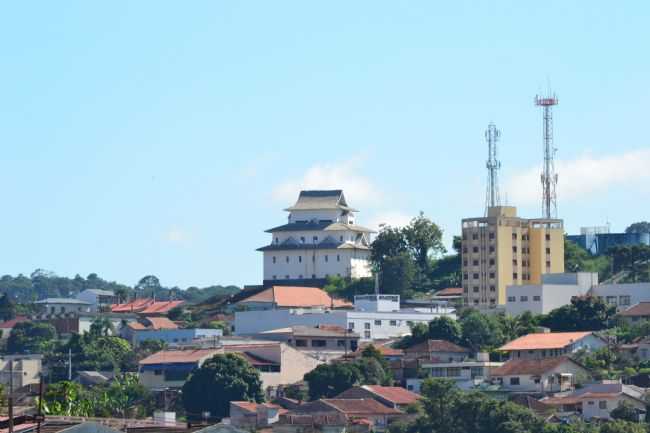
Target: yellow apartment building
[(503, 249)]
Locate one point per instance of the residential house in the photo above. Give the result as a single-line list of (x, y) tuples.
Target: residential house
[(62, 307), (551, 344), (392, 396), (539, 375), (25, 370), (596, 401), (378, 415), (321, 341), (636, 313), (277, 363), (374, 317), (251, 415), (8, 325), (466, 373), (161, 328), (437, 351), (99, 300)]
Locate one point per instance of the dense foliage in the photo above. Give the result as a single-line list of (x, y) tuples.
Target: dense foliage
[(587, 313), (220, 380), (30, 337)]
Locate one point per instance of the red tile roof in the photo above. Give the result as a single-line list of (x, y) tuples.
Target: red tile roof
[(290, 296), (145, 306), (384, 350), (178, 356), (530, 366), (161, 307), (450, 291), (9, 324), (251, 407), (549, 340), (394, 394), (361, 406), (161, 323), (436, 346), (640, 309)]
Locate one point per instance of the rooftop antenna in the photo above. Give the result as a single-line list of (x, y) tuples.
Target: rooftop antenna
[(548, 177), (492, 199)]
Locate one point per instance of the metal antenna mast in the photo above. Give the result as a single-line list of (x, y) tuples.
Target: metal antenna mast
[(549, 177), (492, 135)]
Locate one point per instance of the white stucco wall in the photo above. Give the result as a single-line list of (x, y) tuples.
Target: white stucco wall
[(318, 263), (638, 292), (551, 296)]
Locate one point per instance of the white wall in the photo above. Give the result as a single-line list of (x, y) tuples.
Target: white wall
[(638, 292), (551, 296), (305, 263), (591, 407)]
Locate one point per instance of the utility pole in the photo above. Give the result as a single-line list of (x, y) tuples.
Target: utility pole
[(70, 364), (10, 399), (40, 404)]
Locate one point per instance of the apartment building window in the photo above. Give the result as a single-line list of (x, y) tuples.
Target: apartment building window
[(514, 249), (512, 299), (464, 262), (493, 289), (465, 250), (465, 289), (523, 298), (475, 262), (393, 323), (474, 236), (514, 262), (537, 298), (602, 404), (351, 325), (378, 322), (491, 249), (491, 236), (492, 275), (366, 334), (475, 289), (514, 276), (514, 236), (514, 381), (464, 236), (315, 239), (340, 343), (274, 259), (465, 276), (493, 301), (548, 264), (624, 300), (475, 276), (366, 325), (548, 251), (548, 237), (492, 262), (475, 249)]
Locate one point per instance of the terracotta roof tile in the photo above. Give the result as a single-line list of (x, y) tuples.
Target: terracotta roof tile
[(530, 366), (294, 296), (394, 394), (161, 307), (549, 340), (178, 356), (161, 323), (9, 324), (383, 349), (361, 406), (640, 309), (436, 346), (450, 291)]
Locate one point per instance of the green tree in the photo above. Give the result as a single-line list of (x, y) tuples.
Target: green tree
[(220, 380), (398, 274), (444, 328), (389, 242), (440, 397), (67, 398), (29, 337), (101, 327), (423, 238), (638, 227), (577, 259), (622, 427), (7, 308), (329, 380), (585, 313), (480, 331)]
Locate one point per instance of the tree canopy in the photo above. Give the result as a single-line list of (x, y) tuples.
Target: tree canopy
[(588, 313), (638, 227), (30, 337)]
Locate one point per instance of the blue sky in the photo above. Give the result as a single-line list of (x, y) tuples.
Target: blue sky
[(162, 138)]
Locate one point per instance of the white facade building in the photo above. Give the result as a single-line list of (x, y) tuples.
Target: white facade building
[(319, 240), (555, 291), (98, 299), (623, 295), (373, 317)]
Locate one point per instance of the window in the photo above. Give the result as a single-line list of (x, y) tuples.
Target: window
[(514, 381), (491, 262), (338, 257), (287, 259), (341, 239), (493, 289), (512, 299), (475, 276), (491, 249), (287, 277), (491, 236), (277, 240), (299, 259), (274, 259), (475, 301), (301, 343), (548, 251), (302, 239), (453, 372), (174, 375), (275, 277), (340, 343), (548, 264), (493, 301), (537, 379), (523, 298), (351, 325), (537, 298), (366, 334), (514, 276), (315, 239), (313, 276), (492, 275), (514, 249), (465, 276), (548, 236), (514, 236), (475, 262), (378, 322), (624, 300), (474, 236), (393, 323), (602, 404), (326, 258), (465, 250), (318, 343), (366, 325), (611, 300), (514, 262), (157, 372), (475, 249), (464, 262), (475, 289)]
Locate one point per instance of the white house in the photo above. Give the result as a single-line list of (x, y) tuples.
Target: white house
[(599, 399), (467, 373), (98, 299), (320, 239), (64, 306), (373, 317), (539, 375), (555, 291), (551, 344), (623, 295)]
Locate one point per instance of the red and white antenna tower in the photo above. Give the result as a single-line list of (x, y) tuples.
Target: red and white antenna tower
[(549, 177)]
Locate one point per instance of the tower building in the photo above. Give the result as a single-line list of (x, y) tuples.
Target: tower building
[(319, 240)]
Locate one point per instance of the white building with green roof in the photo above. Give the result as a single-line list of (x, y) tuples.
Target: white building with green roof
[(319, 240)]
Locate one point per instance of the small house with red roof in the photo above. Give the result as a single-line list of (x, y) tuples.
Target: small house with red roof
[(437, 351), (552, 344), (545, 375), (247, 414), (161, 328), (392, 396), (8, 325), (147, 307)]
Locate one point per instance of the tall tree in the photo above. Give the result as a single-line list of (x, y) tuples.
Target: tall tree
[(220, 380), (398, 274), (329, 380), (7, 308), (444, 328), (423, 238), (480, 331), (389, 242)]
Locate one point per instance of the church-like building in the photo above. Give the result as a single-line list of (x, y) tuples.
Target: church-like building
[(319, 240)]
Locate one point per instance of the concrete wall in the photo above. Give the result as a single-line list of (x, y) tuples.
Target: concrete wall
[(172, 336), (591, 408), (637, 292), (293, 367), (540, 298), (320, 263), (548, 382)]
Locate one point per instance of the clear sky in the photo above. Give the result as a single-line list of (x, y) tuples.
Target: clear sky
[(152, 137)]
